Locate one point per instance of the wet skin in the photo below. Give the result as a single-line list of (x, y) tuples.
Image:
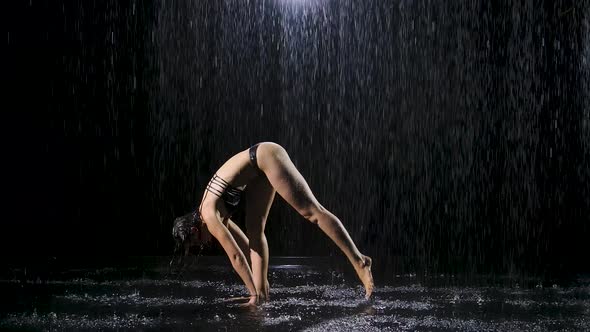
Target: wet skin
[(276, 174)]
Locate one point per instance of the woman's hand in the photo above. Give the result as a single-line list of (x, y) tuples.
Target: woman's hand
[(234, 253), (263, 294), (253, 300)]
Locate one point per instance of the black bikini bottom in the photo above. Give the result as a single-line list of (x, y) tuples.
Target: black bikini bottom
[(253, 159)]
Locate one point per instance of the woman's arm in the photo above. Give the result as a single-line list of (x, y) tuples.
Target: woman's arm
[(236, 256)]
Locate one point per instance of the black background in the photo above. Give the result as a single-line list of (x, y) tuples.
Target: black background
[(446, 136)]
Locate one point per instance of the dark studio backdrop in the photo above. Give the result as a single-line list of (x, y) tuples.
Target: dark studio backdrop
[(447, 136)]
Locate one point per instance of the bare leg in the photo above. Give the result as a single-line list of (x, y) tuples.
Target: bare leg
[(291, 185), (259, 197), (240, 238)]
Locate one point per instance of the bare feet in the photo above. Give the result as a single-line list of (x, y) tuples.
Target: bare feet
[(363, 270)]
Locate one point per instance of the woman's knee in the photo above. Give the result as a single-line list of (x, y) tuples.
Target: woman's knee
[(313, 213)]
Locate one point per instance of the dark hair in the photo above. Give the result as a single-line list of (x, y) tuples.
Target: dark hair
[(186, 226), (187, 232)]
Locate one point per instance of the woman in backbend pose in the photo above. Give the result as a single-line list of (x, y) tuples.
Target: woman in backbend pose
[(257, 173)]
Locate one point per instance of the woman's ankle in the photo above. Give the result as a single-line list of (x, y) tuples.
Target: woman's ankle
[(365, 261)]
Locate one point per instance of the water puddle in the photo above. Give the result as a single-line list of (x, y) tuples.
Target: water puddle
[(302, 298)]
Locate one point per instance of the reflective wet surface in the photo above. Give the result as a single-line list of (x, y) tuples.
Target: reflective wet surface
[(306, 294)]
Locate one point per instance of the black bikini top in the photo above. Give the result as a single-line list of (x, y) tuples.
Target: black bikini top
[(228, 193)]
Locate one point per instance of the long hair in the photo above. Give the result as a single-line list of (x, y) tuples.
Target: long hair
[(187, 232), (190, 230)]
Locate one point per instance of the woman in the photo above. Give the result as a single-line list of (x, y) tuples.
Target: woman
[(257, 174)]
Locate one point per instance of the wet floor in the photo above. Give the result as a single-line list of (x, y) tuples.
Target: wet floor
[(306, 295)]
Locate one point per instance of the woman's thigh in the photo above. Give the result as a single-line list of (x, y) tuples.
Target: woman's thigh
[(286, 179), (259, 197)]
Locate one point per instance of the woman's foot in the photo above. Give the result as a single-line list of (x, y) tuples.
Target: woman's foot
[(363, 270)]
